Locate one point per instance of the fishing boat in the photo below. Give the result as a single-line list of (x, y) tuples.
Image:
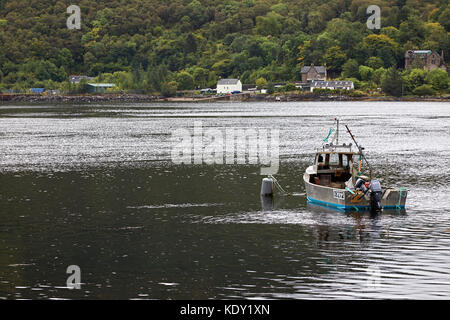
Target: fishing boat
[(341, 177)]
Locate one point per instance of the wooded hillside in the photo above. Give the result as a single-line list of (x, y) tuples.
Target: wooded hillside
[(145, 44)]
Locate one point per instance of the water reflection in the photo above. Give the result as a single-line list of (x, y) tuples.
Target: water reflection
[(94, 186), (267, 203)]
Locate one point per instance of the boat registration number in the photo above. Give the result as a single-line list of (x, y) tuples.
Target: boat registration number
[(338, 194)]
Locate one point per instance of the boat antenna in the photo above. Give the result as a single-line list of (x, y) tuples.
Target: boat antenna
[(360, 150), (337, 131)]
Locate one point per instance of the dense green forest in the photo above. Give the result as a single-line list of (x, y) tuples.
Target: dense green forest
[(159, 45)]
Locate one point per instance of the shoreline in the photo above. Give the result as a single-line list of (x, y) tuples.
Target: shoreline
[(245, 97)]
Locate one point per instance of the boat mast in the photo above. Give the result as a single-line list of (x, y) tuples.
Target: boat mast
[(360, 150)]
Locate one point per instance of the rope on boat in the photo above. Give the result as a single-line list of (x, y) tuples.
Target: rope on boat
[(400, 196), (279, 187), (329, 134)]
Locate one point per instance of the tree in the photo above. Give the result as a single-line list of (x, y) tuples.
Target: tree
[(190, 44), (280, 8), (437, 38), (438, 79), (350, 69), (269, 25), (315, 21), (185, 81), (345, 34), (414, 78), (200, 77), (365, 73), (64, 58), (378, 75), (302, 52), (222, 67), (196, 13), (261, 83), (392, 83), (412, 30), (381, 46), (334, 58), (375, 62), (391, 32), (444, 19)]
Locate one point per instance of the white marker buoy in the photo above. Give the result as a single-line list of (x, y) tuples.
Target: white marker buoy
[(267, 187)]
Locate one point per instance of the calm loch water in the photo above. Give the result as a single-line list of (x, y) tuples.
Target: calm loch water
[(94, 186)]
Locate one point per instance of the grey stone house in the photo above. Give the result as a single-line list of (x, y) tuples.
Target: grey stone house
[(426, 59), (314, 73)]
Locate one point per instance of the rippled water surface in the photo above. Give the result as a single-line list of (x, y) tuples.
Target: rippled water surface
[(94, 186)]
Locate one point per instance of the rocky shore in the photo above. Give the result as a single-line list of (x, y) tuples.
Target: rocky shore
[(79, 98), (239, 97)]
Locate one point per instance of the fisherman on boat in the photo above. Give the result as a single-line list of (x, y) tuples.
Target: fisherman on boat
[(333, 180)]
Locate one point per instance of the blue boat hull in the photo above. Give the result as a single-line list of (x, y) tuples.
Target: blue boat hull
[(351, 207)]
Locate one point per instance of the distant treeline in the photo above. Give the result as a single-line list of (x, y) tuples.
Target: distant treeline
[(163, 46)]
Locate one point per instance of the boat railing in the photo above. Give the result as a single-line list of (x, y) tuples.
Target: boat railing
[(335, 148)]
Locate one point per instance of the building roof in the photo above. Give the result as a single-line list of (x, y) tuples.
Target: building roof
[(411, 53), (422, 51), (102, 85), (331, 83), (228, 81), (319, 69), (77, 78)]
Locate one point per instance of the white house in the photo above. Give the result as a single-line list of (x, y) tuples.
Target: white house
[(229, 86), (347, 85)]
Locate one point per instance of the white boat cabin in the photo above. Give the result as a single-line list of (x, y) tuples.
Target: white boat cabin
[(333, 167)]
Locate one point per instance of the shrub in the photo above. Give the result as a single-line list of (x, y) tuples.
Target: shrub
[(169, 89), (438, 79), (356, 93), (288, 87), (424, 90)]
